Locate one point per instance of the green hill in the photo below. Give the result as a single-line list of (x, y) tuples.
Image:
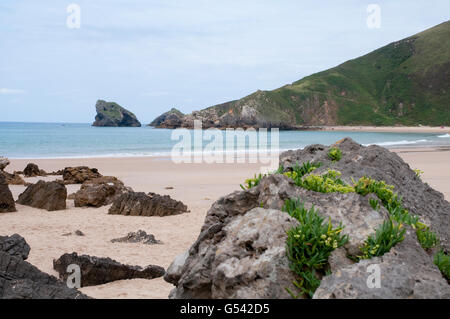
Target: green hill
[(406, 82)]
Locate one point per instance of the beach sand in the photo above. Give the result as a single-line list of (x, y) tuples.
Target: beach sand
[(197, 185)]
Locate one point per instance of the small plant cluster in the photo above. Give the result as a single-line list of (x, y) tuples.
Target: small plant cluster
[(299, 171), (335, 154), (385, 237), (309, 245), (326, 183), (442, 261), (252, 182), (418, 173)]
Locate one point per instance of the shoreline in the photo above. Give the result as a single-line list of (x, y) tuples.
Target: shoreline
[(387, 129)]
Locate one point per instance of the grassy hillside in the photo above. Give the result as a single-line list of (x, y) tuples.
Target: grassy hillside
[(406, 82)]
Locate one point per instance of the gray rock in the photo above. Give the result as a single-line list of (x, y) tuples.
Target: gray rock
[(15, 245), (379, 163), (21, 280), (247, 261), (407, 271), (46, 195), (175, 270)]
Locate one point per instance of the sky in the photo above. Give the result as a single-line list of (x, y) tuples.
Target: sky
[(152, 55)]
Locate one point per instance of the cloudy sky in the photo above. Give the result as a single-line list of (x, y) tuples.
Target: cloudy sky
[(151, 55)]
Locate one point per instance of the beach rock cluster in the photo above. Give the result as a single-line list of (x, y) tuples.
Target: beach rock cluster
[(99, 191), (79, 174), (112, 114), (98, 271), (141, 204), (240, 252), (7, 204), (138, 237), (21, 280), (45, 195)]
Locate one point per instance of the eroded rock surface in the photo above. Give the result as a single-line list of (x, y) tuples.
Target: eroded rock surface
[(138, 237), (33, 170), (15, 245), (98, 271), (45, 195), (141, 204), (79, 174), (99, 191)]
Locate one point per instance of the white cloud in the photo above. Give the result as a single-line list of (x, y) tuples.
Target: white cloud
[(11, 91)]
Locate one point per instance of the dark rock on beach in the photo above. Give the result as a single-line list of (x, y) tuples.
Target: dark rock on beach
[(141, 204), (98, 271), (6, 199), (33, 170), (138, 237), (46, 195), (21, 280), (99, 191), (240, 252), (79, 174), (112, 114), (15, 245)]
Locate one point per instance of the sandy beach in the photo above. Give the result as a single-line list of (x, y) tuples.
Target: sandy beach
[(390, 129), (197, 185)]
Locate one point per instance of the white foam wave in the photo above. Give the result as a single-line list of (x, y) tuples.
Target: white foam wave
[(443, 136)]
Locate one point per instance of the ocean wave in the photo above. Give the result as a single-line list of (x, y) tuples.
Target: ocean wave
[(391, 143), (445, 135)]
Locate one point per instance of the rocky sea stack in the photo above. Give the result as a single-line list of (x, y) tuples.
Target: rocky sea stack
[(112, 114), (318, 227)]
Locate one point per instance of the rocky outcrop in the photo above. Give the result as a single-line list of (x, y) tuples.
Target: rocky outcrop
[(99, 192), (15, 245), (79, 174), (406, 272), (379, 163), (170, 119), (138, 237), (112, 114), (141, 204), (33, 170), (21, 280), (7, 204), (238, 253), (11, 179), (45, 195), (98, 271)]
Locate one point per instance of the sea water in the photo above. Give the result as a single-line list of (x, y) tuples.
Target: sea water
[(64, 140)]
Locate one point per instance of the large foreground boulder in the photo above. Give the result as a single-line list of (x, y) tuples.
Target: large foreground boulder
[(6, 199), (46, 195), (21, 280), (15, 245), (406, 272), (237, 242), (141, 204), (249, 260), (99, 191), (79, 174), (98, 271)]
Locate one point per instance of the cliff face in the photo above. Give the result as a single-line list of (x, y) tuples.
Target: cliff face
[(112, 114), (405, 82)]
